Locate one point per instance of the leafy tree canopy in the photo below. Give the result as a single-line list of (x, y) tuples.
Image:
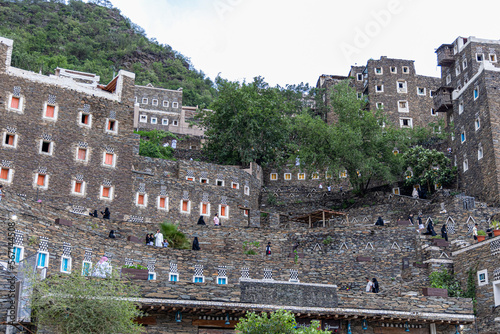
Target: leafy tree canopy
[(153, 147), (279, 322)]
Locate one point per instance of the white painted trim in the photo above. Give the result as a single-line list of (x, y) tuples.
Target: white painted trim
[(474, 246)]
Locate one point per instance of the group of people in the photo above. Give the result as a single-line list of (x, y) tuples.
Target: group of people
[(430, 227), (217, 222), (372, 286), (156, 240), (105, 214)]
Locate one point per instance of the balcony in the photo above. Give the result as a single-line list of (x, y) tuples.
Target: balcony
[(442, 99), (445, 55)]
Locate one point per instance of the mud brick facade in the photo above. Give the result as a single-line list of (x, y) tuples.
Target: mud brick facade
[(470, 77)]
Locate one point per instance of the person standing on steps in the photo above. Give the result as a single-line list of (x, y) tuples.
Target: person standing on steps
[(369, 285), (106, 213), (410, 218), (216, 220), (474, 232), (444, 232), (375, 287), (196, 244), (158, 238), (268, 249)]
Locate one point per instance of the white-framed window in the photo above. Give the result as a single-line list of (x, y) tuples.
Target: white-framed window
[(406, 69), (448, 79), (175, 123), (198, 279), (144, 100), (359, 76), (403, 106), (482, 277), (464, 63), (162, 203), (476, 93), (457, 68), (65, 264), (42, 260), (246, 190), (380, 105), (394, 69), (151, 276), (395, 191), (86, 268), (433, 112), (480, 152), (82, 154), (50, 112), (108, 159), (221, 280), (431, 93), (220, 183), (493, 57), (273, 176), (315, 176), (6, 174), (143, 118), (185, 206), (78, 187), (328, 175), (41, 181), (462, 136), (205, 209), (141, 199), (46, 147), (479, 57), (164, 121), (165, 103), (190, 178), (343, 174), (379, 70), (223, 211), (406, 122), (245, 212), (154, 120), (466, 164), (154, 102), (477, 123), (301, 176), (496, 292), (9, 140), (106, 193), (16, 104), (175, 104), (173, 277), (85, 119), (421, 91), (204, 180), (460, 107), (235, 185), (379, 88), (18, 252), (111, 126), (402, 86)]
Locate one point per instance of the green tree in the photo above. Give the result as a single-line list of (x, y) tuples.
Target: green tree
[(176, 239), (77, 304), (152, 147), (358, 142), (246, 123), (278, 322), (428, 167)]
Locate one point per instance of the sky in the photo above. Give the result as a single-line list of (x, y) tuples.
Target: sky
[(291, 41)]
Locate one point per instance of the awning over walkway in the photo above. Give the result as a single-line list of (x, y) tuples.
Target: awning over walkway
[(319, 215)]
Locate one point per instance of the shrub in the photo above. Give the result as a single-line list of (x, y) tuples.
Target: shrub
[(481, 232), (328, 240), (248, 247), (134, 266), (175, 238), (445, 280)]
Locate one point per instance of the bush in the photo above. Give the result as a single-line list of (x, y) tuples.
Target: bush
[(135, 266), (445, 280), (175, 238), (481, 232)]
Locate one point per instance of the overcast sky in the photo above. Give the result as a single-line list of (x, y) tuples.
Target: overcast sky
[(291, 41)]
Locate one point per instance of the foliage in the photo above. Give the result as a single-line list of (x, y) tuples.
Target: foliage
[(153, 147), (356, 143), (271, 199), (278, 322), (248, 122), (77, 304), (176, 239), (436, 237), (296, 256), (495, 224), (134, 266), (445, 280), (95, 37), (470, 291), (250, 246), (481, 232), (429, 167), (32, 240), (328, 240)]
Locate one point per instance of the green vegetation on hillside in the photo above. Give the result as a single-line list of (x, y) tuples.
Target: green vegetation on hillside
[(92, 38), (153, 146)]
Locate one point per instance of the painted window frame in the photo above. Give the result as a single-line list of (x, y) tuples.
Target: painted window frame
[(165, 103), (68, 269), (143, 118), (404, 89), (181, 210), (173, 275), (208, 206), (379, 88), (89, 272), (235, 185), (301, 176), (394, 69), (10, 175), (479, 57), (405, 70), (89, 119), (480, 153), (115, 128), (480, 281), (465, 165), (104, 164), (246, 190), (44, 112), (144, 100), (20, 108), (164, 121), (158, 202), (221, 279), (4, 138), (144, 199), (21, 253), (226, 216), (175, 122), (153, 120), (175, 105), (204, 180), (51, 147), (47, 257), (403, 119), (46, 181), (378, 70), (154, 102), (111, 193), (87, 153), (83, 188), (405, 109), (219, 183), (421, 91), (273, 176)]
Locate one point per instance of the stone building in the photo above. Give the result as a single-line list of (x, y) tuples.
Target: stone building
[(468, 95)]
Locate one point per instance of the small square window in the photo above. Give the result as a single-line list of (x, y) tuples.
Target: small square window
[(175, 104), (433, 112), (421, 91), (395, 191), (144, 100), (78, 187), (403, 106), (65, 264), (328, 175), (359, 95), (41, 180), (86, 268), (141, 200), (380, 105), (401, 87), (406, 69), (198, 279), (106, 192), (220, 183), (273, 176), (235, 185), (288, 176), (165, 104), (154, 120), (203, 180), (15, 103), (175, 123), (81, 154), (164, 121), (301, 176), (246, 190), (359, 76), (163, 203), (173, 277), (109, 159), (111, 125), (154, 102), (394, 69), (46, 147), (85, 119), (315, 176), (493, 57), (189, 178), (379, 88), (143, 118), (9, 140), (151, 276), (482, 277), (185, 206), (378, 70), (6, 174), (223, 211), (50, 112), (479, 57), (406, 122), (221, 280)]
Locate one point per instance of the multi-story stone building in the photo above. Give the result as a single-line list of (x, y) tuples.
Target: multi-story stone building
[(470, 76)]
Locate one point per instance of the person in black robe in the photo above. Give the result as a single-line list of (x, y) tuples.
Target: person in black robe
[(379, 222), (106, 213), (410, 218), (430, 229), (375, 285), (112, 234), (93, 214), (196, 244), (148, 240), (201, 221), (444, 232)]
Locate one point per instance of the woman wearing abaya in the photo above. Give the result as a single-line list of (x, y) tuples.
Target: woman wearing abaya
[(444, 232), (430, 229), (196, 244), (201, 221)]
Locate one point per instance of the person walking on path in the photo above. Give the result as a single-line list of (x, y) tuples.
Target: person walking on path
[(196, 244), (410, 218), (474, 232), (444, 232), (216, 220), (369, 285)]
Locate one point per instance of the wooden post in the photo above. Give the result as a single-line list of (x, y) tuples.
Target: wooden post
[(324, 218), (310, 223)]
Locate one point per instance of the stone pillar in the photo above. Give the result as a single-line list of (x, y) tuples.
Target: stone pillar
[(5, 53)]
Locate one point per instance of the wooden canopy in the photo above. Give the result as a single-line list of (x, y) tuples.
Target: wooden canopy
[(319, 215)]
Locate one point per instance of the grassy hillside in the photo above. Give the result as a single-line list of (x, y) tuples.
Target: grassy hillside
[(91, 38)]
